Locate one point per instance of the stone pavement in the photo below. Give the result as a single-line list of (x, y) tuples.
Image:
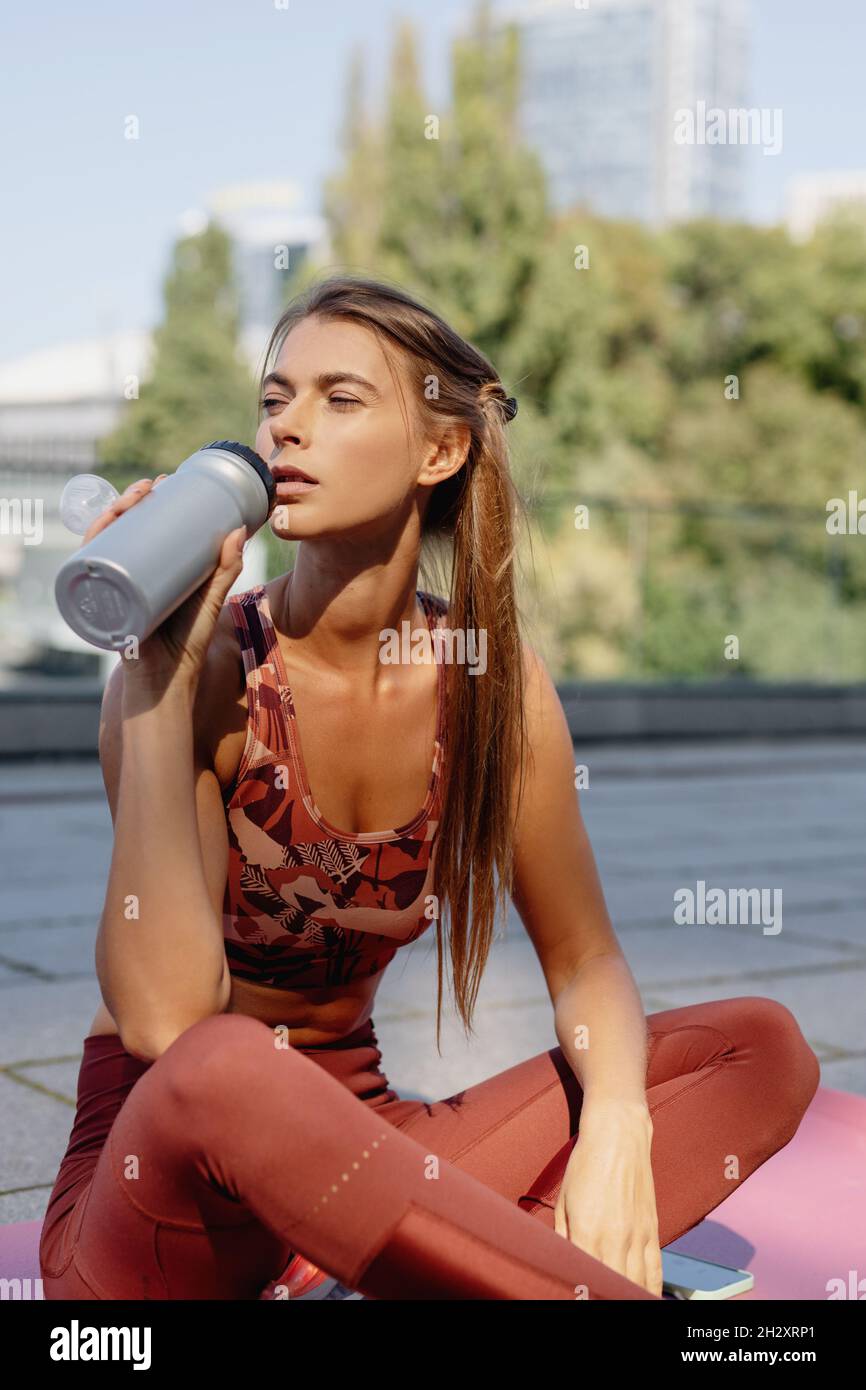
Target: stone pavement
[(785, 815)]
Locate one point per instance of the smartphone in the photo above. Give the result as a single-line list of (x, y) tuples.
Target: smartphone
[(684, 1276)]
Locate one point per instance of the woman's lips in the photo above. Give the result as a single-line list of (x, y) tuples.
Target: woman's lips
[(287, 487)]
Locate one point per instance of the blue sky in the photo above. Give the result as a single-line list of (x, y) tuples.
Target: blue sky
[(231, 90)]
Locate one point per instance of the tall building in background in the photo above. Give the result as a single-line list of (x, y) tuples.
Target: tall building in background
[(602, 84), (271, 237)]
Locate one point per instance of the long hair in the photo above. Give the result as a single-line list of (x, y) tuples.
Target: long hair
[(473, 514)]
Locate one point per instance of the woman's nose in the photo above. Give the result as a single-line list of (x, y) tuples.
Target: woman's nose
[(286, 426)]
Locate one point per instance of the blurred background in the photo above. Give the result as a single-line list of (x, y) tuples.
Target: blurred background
[(684, 323), (651, 214)]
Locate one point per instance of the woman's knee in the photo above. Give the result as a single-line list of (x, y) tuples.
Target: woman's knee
[(788, 1064), (212, 1055), (764, 1034)]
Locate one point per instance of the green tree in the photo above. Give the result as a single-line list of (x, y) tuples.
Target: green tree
[(198, 388), (707, 504), (450, 203)]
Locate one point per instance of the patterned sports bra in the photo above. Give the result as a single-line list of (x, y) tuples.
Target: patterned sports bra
[(307, 905)]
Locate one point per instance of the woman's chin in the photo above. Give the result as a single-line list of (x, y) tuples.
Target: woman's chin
[(287, 523)]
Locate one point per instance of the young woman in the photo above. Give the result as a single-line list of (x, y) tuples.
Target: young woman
[(233, 1118)]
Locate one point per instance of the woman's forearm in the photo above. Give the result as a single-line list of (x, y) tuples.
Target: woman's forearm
[(160, 952), (601, 1027)]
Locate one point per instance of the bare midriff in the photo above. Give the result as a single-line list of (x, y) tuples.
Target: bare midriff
[(312, 1015)]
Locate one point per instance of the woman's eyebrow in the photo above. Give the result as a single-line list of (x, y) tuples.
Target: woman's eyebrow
[(324, 380)]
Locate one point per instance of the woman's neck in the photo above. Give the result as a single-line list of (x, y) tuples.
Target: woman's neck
[(338, 619)]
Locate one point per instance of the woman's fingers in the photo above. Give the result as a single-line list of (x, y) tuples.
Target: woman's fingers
[(231, 562), (121, 504), (133, 493)]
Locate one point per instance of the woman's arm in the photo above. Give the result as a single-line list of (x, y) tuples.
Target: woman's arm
[(606, 1203), (599, 1018), (160, 955)]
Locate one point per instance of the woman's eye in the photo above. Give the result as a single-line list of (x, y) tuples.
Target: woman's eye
[(341, 402)]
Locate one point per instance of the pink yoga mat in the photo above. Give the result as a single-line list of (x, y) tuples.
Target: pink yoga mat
[(798, 1224)]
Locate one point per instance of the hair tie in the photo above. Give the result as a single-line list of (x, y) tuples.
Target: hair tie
[(508, 403)]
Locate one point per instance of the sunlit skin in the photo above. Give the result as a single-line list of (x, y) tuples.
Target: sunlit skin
[(355, 573), (358, 571), (365, 516)]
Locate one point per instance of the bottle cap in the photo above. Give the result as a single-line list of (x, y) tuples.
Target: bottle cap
[(252, 458)]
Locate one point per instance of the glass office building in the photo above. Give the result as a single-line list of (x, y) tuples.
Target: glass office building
[(601, 88)]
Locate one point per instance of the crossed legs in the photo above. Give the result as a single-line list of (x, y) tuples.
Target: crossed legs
[(230, 1153)]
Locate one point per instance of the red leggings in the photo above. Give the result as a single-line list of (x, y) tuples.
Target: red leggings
[(200, 1174)]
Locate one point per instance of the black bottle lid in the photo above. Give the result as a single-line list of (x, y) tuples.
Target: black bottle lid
[(251, 458)]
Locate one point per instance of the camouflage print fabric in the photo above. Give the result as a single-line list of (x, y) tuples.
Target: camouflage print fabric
[(307, 904)]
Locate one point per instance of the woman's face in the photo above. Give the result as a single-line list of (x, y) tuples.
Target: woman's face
[(331, 409)]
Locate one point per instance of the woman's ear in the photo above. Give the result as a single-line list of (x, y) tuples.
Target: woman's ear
[(447, 455)]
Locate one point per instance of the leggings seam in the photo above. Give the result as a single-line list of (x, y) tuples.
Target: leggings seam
[(157, 1261), (55, 1271), (168, 1221), (87, 1279), (503, 1120), (78, 1207), (667, 1032), (703, 1075), (690, 1028)]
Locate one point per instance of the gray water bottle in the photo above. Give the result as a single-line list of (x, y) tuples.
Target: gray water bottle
[(136, 572)]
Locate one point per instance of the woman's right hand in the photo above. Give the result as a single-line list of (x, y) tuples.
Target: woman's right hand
[(174, 653)]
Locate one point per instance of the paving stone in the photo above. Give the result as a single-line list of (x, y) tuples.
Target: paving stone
[(659, 958), (837, 921), (39, 1019), (35, 1130), (49, 775), (664, 956), (59, 1078), (828, 1007), (503, 1038), (26, 1205), (55, 952), (845, 1074), (52, 902)]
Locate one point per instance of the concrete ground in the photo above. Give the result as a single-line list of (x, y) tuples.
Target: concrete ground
[(783, 815)]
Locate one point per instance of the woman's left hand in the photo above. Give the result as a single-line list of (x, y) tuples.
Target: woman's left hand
[(606, 1202)]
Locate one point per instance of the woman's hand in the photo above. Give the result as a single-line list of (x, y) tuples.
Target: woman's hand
[(606, 1202), (174, 653)]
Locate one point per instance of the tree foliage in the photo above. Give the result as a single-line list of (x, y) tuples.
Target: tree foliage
[(199, 387), (700, 390)]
